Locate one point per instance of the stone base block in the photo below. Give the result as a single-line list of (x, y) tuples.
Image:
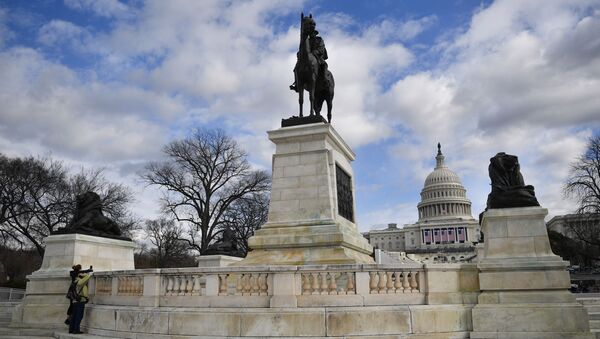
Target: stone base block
[(65, 250), (531, 335), (305, 256), (530, 321), (216, 260), (524, 285), (415, 321), (302, 244)]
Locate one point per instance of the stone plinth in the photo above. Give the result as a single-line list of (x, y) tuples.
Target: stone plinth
[(216, 260), (305, 224), (45, 304), (524, 286), (105, 254)]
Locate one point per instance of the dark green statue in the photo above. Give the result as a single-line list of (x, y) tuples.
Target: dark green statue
[(311, 72), (508, 186)]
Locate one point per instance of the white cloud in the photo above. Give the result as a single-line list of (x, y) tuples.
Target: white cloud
[(523, 77), (389, 29), (103, 8), (58, 33), (49, 103)]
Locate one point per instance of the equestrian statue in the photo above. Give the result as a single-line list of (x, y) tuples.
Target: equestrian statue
[(311, 71)]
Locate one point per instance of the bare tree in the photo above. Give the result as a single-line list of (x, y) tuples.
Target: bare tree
[(37, 196), (583, 183), (169, 249), (205, 174), (245, 216)]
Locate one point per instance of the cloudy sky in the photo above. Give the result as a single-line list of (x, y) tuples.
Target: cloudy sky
[(106, 83)]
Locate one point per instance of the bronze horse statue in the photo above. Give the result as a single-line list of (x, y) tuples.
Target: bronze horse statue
[(311, 73)]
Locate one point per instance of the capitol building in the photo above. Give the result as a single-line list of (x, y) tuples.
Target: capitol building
[(445, 230)]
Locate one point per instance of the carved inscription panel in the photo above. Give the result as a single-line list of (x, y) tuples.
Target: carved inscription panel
[(344, 194)]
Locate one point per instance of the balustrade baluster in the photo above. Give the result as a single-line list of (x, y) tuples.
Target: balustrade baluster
[(332, 284), (239, 288), (262, 284), (184, 285), (176, 284), (189, 284), (315, 283), (223, 284), (169, 285), (405, 283), (246, 283), (381, 285), (305, 283), (322, 283), (196, 289), (350, 289), (389, 282), (398, 283), (254, 289), (413, 282), (373, 279)]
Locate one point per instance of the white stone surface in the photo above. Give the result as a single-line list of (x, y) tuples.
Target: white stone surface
[(303, 225), (524, 285), (216, 260), (105, 254)]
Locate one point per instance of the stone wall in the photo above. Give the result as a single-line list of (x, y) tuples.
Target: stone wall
[(311, 301)]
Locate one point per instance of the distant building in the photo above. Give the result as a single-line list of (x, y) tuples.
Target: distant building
[(564, 224), (445, 230)]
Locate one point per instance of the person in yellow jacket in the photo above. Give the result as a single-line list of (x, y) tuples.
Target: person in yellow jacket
[(79, 306)]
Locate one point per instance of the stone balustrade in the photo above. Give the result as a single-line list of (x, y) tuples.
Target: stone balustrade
[(328, 283), (130, 285), (182, 284), (393, 281), (104, 285), (283, 286)]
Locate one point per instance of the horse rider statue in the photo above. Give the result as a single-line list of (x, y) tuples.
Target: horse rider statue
[(318, 82)]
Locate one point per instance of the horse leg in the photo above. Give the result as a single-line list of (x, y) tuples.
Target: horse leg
[(329, 107), (318, 104), (312, 98), (300, 97)]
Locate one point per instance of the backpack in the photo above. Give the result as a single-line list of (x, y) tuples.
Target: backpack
[(73, 293)]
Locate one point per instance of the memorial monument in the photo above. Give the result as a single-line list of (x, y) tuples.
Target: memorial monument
[(524, 286), (292, 285), (311, 213)]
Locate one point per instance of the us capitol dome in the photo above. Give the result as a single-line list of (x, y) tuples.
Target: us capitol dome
[(445, 230)]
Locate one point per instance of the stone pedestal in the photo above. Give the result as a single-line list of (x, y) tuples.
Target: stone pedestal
[(45, 304), (105, 254), (216, 260), (524, 286), (311, 213)]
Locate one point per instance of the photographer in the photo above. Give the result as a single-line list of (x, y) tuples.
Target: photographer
[(79, 280)]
